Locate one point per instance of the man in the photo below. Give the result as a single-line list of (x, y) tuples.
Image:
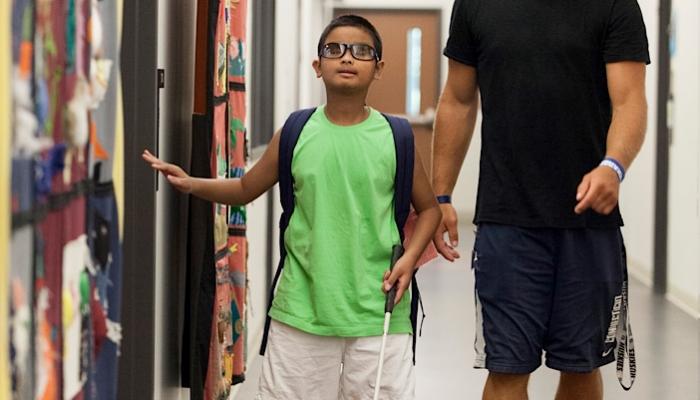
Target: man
[(564, 114)]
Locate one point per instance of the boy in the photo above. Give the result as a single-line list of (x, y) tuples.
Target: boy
[(329, 306)]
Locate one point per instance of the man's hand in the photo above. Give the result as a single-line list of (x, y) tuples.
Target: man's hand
[(401, 275), (599, 190), (449, 225), (175, 175)]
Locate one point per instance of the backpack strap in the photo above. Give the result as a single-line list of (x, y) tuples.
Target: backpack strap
[(403, 180), (288, 139), (403, 187)]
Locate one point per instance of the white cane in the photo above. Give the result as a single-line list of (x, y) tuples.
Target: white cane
[(396, 253)]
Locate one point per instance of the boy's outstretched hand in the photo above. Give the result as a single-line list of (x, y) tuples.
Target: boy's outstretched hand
[(174, 174), (401, 276)]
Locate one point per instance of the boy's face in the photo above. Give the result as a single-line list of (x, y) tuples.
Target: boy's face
[(348, 73)]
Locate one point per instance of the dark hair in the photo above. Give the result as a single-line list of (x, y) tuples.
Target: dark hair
[(356, 21)]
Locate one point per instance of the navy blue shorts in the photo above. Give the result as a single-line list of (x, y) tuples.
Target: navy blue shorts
[(557, 291)]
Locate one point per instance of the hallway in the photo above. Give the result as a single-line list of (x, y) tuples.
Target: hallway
[(666, 342), (116, 284)]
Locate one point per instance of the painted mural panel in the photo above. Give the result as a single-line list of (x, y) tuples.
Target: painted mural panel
[(214, 368), (65, 270), (5, 62)]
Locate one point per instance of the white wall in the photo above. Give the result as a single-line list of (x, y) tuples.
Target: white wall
[(684, 170), (176, 36), (638, 191)]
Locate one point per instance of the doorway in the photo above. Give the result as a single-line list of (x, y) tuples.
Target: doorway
[(410, 85)]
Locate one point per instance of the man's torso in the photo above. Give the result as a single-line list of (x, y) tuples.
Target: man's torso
[(541, 70)]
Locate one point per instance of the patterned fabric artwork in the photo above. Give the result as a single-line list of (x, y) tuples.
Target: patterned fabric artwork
[(5, 62), (238, 245), (65, 271), (226, 109)]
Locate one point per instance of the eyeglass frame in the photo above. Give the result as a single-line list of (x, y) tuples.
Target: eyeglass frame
[(345, 47)]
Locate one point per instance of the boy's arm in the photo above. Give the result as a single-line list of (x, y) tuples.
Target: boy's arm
[(237, 191), (429, 216), (427, 208)]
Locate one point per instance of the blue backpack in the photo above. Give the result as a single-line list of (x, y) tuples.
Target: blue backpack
[(403, 141)]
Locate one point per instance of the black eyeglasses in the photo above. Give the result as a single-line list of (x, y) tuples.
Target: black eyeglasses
[(359, 51)]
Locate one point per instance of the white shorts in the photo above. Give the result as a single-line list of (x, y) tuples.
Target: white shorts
[(301, 366)]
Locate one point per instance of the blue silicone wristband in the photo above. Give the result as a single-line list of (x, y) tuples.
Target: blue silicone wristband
[(615, 165), (444, 199)]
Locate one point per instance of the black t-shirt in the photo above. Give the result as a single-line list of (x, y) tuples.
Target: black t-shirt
[(546, 109)]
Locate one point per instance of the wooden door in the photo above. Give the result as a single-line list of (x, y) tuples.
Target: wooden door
[(405, 32)]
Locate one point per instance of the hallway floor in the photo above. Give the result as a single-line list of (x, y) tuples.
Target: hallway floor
[(667, 343)]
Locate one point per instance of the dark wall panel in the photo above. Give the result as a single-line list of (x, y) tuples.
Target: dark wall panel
[(139, 73)]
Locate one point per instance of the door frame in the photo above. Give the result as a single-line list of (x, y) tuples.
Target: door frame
[(139, 69), (660, 268)]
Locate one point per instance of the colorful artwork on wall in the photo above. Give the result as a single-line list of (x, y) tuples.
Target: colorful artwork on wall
[(215, 358), (5, 63), (65, 270)]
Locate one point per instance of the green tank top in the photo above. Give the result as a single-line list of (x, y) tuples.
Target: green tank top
[(340, 235)]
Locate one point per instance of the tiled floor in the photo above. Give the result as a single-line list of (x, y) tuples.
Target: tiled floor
[(666, 340)]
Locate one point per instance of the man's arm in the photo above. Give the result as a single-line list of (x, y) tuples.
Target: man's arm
[(599, 189), (454, 127)]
